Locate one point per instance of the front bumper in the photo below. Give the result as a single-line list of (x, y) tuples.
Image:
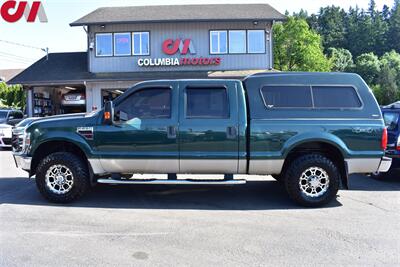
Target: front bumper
[(23, 162), (385, 164)]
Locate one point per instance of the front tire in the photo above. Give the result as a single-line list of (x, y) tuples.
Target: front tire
[(62, 177), (312, 180)]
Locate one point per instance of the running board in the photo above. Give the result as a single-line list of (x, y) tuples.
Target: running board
[(172, 182)]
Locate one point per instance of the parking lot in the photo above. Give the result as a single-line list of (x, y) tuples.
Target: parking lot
[(248, 225)]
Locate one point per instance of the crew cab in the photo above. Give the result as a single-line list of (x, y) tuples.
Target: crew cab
[(308, 130)]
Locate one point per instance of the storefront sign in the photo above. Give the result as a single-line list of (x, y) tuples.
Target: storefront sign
[(171, 47), (12, 11)]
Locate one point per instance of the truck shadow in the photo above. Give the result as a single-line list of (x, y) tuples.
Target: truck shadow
[(258, 195), (255, 195)]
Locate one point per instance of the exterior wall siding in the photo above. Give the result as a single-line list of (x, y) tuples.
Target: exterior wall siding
[(197, 31)]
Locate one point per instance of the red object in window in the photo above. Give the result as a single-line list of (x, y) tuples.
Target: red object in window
[(384, 139)]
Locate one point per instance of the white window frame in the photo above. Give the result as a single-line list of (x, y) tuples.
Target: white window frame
[(219, 42), (245, 42), (248, 41), (112, 44), (115, 44), (140, 43)]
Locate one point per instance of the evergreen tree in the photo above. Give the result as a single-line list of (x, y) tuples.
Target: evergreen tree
[(331, 25), (393, 34)]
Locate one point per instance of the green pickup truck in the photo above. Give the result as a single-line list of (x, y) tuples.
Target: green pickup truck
[(307, 130)]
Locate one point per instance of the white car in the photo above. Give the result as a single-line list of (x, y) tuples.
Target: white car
[(5, 135)]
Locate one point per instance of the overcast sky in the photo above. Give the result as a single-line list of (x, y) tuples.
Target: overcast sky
[(58, 36)]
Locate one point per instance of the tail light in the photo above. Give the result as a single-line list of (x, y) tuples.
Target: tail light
[(384, 139), (398, 143)]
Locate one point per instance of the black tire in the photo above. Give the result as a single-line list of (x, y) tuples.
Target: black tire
[(295, 171), (80, 176)]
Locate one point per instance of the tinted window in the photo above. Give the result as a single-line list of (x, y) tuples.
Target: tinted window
[(3, 114), (104, 44), (17, 115), (146, 104), (122, 44), (207, 103), (335, 97), (287, 96), (391, 120)]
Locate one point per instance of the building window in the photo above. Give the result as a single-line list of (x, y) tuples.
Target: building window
[(218, 42), (104, 45), (141, 42), (237, 42), (207, 103), (122, 44), (256, 41)]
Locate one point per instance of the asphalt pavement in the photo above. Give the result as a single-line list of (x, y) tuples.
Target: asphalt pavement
[(243, 225)]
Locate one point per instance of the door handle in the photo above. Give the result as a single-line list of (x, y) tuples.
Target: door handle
[(171, 131), (231, 132)]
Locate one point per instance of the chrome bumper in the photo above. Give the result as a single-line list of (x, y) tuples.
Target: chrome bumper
[(23, 162), (385, 164)]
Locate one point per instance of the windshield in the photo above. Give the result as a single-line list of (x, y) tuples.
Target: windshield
[(3, 114), (391, 119)]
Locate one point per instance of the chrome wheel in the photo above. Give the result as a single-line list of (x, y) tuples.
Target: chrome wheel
[(314, 182), (59, 179)]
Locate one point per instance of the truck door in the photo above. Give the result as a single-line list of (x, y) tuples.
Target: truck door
[(143, 139), (208, 127)]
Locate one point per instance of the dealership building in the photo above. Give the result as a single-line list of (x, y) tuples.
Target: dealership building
[(127, 45)]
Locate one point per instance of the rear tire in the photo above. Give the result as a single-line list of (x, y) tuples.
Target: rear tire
[(312, 180), (62, 177)]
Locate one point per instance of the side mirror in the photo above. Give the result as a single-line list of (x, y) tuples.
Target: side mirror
[(109, 113), (11, 118)]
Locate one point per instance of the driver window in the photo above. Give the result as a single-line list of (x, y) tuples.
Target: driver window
[(149, 103)]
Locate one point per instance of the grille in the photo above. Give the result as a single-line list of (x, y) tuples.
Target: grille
[(7, 141), (16, 143)]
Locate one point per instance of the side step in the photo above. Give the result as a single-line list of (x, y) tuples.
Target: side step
[(172, 182)]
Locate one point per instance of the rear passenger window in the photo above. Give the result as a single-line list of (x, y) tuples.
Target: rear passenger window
[(287, 96), (207, 103), (335, 97)]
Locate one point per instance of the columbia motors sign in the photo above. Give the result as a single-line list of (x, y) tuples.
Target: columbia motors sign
[(183, 47), (13, 11)]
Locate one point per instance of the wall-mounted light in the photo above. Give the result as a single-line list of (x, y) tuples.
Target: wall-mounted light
[(103, 26), (91, 45), (255, 23)]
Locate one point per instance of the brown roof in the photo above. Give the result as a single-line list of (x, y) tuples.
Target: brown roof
[(180, 13), (8, 74)]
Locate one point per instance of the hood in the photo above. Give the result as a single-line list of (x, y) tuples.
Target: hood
[(60, 117)]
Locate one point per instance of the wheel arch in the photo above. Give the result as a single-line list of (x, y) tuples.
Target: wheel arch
[(329, 148), (59, 145)]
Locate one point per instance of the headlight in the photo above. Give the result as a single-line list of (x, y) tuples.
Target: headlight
[(26, 141)]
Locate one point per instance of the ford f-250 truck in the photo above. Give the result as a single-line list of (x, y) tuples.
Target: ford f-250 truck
[(308, 130)]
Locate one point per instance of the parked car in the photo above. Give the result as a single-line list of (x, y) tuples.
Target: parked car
[(310, 129), (391, 115), (10, 116), (5, 135)]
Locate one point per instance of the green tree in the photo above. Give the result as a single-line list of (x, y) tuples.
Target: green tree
[(12, 96), (389, 90), (298, 48), (341, 59), (393, 34), (331, 26), (368, 66)]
